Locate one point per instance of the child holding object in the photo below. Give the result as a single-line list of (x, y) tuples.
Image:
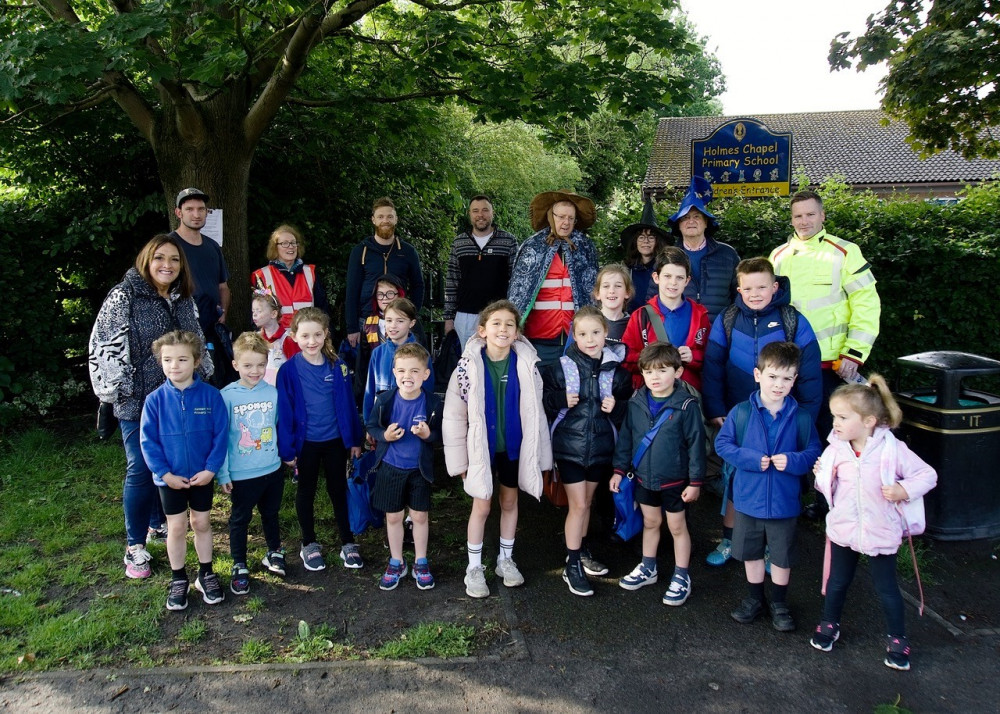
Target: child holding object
[(864, 474)]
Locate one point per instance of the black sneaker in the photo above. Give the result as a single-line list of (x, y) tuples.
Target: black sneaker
[(574, 576), (781, 617), (748, 611), (177, 596), (239, 581), (210, 589), (591, 566), (825, 635), (897, 653)]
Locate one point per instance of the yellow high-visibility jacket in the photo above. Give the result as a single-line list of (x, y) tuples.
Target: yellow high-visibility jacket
[(833, 286)]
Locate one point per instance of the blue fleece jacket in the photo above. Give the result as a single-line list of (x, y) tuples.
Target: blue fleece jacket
[(770, 493), (380, 376), (253, 437), (727, 374), (184, 431), (292, 416)]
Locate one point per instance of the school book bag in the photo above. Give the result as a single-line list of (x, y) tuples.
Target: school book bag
[(789, 321)]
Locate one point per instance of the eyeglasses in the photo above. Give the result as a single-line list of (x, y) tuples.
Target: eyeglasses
[(646, 239), (391, 295), (287, 244)]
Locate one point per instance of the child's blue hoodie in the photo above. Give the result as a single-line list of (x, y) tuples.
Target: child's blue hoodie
[(183, 431), (253, 434)]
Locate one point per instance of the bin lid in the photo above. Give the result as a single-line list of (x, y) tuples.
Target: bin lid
[(949, 361)]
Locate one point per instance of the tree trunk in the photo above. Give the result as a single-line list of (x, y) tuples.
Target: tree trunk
[(215, 157)]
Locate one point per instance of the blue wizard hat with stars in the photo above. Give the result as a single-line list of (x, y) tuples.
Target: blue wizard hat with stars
[(699, 194)]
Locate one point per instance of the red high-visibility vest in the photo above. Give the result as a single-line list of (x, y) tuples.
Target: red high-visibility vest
[(292, 297)]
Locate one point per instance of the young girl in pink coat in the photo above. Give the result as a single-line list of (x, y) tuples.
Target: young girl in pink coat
[(864, 517)]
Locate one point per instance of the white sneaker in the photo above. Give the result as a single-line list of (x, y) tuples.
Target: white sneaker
[(475, 582), (507, 569)]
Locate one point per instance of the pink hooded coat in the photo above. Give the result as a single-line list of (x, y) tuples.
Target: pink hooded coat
[(860, 517)]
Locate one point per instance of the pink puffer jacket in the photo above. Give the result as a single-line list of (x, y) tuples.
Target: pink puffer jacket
[(860, 517)]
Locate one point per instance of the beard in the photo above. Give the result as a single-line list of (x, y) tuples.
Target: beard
[(385, 232)]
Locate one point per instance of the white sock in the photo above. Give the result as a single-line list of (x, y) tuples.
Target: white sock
[(506, 549), (475, 554)]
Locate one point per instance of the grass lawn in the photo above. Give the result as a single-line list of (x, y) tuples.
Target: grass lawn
[(65, 602)]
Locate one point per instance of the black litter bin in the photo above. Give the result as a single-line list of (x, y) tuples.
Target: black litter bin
[(957, 431)]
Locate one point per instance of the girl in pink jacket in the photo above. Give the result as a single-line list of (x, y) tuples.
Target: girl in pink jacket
[(864, 517)]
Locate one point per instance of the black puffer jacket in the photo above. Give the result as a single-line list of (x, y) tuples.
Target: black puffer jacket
[(123, 370), (585, 435)]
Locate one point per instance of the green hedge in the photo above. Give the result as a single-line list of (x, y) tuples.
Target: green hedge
[(936, 265)]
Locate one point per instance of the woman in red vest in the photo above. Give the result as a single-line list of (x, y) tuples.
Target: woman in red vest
[(292, 281)]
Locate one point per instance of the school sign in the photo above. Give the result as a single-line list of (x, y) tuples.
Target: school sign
[(743, 158)]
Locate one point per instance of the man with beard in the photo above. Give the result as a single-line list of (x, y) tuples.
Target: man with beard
[(204, 257), (375, 256), (478, 269)]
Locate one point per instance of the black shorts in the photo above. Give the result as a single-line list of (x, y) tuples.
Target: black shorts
[(505, 470), (396, 489), (197, 498), (751, 534), (575, 473), (668, 499)]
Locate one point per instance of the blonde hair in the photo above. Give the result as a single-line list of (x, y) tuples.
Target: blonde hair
[(272, 301), (872, 399), (414, 350), (249, 342), (615, 269), (314, 314), (178, 337), (272, 243)]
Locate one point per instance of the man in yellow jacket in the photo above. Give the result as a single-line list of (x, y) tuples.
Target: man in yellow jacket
[(833, 286)]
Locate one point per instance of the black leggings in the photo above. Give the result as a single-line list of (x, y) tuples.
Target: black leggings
[(332, 455), (264, 493), (843, 563)]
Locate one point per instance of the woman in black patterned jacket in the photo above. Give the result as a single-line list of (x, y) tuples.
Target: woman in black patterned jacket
[(154, 298)]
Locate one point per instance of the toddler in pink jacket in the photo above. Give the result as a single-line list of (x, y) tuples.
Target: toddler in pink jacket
[(865, 473)]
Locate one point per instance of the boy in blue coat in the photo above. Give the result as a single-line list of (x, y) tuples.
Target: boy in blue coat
[(405, 423), (665, 424), (183, 433), (252, 471), (771, 443), (762, 314)]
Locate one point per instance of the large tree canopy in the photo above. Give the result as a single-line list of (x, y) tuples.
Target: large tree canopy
[(202, 81), (944, 61)]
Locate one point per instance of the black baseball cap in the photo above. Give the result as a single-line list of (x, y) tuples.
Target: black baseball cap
[(190, 193)]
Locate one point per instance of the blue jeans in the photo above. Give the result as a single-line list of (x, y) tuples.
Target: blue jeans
[(139, 496)]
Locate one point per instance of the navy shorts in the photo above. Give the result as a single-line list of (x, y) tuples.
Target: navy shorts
[(668, 499), (396, 489), (197, 498)]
